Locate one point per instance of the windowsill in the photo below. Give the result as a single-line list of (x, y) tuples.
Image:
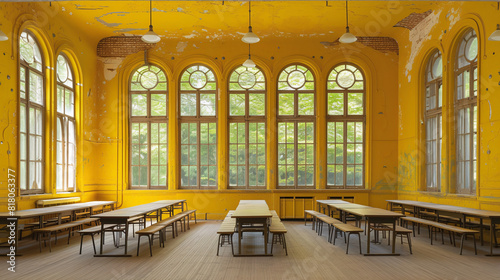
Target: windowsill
[(440, 194), (256, 190)]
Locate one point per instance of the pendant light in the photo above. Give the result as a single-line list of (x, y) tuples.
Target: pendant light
[(250, 37), (347, 38), (249, 62), (495, 36), (150, 36)]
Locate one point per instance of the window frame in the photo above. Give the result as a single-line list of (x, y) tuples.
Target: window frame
[(247, 119), (198, 119), (65, 120), (346, 118), (148, 119), (296, 118), (28, 104), (467, 103), (435, 83)]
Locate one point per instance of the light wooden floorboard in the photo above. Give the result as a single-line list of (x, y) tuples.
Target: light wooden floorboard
[(192, 256)]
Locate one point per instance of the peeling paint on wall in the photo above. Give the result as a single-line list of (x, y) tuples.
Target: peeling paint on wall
[(181, 46), (419, 35), (110, 66)]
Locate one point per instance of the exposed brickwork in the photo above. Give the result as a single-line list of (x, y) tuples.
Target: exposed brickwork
[(412, 20), (121, 46), (382, 44)]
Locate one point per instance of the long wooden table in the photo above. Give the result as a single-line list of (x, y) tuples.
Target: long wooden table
[(371, 214), (60, 210), (456, 211), (121, 217), (252, 212)]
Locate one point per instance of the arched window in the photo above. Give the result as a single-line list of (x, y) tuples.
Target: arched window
[(148, 128), (433, 121), (31, 114), (346, 127), (198, 128), (466, 82), (66, 145), (296, 122), (247, 129)]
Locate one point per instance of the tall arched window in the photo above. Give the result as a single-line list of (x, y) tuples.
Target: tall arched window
[(433, 121), (66, 145), (346, 127), (247, 128), (296, 122), (198, 128), (466, 113), (148, 128), (31, 114)]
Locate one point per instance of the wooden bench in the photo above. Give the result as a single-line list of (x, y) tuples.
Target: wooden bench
[(346, 228), (401, 231), (55, 228), (92, 231), (226, 230), (313, 214), (278, 230), (160, 227), (324, 219), (462, 232)]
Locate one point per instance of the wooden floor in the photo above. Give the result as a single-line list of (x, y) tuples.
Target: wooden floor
[(192, 256)]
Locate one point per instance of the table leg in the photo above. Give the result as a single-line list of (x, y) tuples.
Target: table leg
[(265, 237), (394, 237), (368, 237), (126, 234), (102, 235), (239, 236), (481, 231)]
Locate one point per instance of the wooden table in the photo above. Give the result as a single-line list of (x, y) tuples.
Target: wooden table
[(375, 216), (252, 212), (60, 210), (326, 204), (456, 211), (121, 217)]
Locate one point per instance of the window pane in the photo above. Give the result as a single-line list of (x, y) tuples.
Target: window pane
[(188, 104), (237, 104), (207, 105), (335, 103), (286, 104), (306, 104), (158, 104), (257, 104), (139, 104)]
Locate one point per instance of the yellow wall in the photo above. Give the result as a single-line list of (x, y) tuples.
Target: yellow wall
[(393, 131), (445, 26), (55, 36)]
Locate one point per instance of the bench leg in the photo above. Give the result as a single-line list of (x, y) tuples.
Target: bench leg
[(475, 248), (334, 235), (462, 243), (284, 244), (218, 244), (150, 245), (39, 236), (81, 242), (93, 244), (138, 243), (348, 237), (408, 236), (232, 247), (50, 247), (359, 239), (272, 243), (69, 234)]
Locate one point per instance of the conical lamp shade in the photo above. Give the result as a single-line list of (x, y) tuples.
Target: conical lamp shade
[(495, 36), (348, 38), (249, 63), (150, 37), (3, 37), (250, 38)]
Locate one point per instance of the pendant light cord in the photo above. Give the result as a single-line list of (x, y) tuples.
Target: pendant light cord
[(250, 14), (249, 55), (346, 14), (150, 12)]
